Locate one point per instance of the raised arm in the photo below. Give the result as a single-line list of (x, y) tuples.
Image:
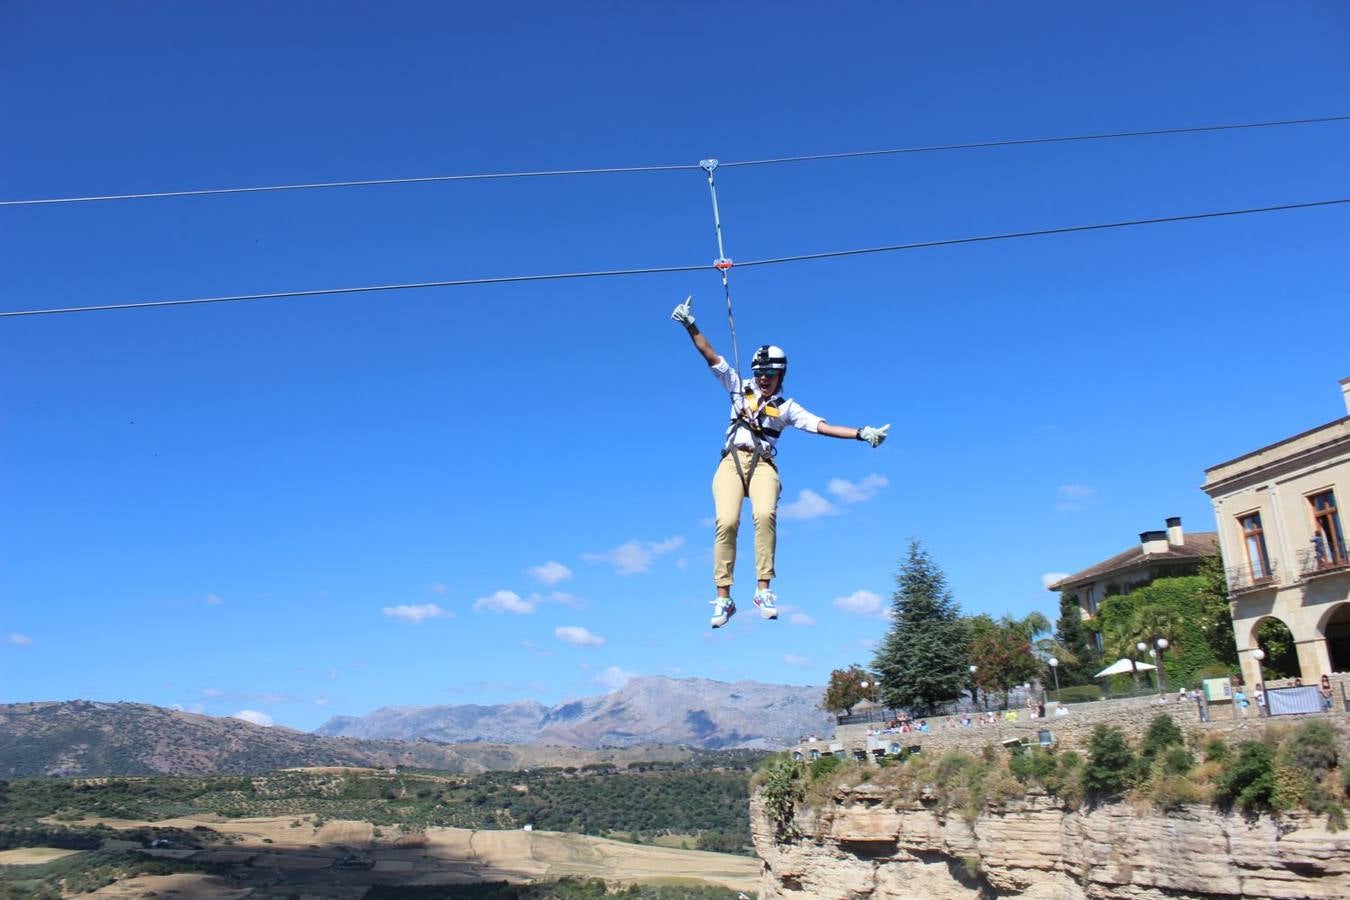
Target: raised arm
[(685, 317), (868, 434)]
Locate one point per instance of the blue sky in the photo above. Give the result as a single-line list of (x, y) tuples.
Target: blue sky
[(320, 506)]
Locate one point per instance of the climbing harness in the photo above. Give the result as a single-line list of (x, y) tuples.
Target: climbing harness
[(760, 420)]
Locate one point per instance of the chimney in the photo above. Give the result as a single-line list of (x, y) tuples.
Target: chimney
[(1345, 393), (1153, 542), (1175, 536)]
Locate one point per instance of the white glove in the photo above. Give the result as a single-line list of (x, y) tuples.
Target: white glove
[(873, 436), (683, 314)]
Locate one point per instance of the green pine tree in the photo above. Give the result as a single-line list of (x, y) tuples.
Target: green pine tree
[(924, 659), (1070, 634)]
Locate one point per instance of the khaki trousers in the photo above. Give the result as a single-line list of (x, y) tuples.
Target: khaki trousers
[(728, 495)]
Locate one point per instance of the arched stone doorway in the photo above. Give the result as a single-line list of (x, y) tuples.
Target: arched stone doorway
[(1273, 636), (1336, 631)]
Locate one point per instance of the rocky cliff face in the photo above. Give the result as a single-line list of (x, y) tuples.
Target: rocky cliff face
[(860, 845)]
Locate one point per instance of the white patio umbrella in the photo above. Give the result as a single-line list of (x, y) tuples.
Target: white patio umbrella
[(1121, 666)]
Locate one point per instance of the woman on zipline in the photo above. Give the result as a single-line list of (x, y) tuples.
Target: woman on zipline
[(759, 413)]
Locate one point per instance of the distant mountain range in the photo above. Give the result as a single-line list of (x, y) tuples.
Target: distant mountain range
[(642, 722), (652, 710)]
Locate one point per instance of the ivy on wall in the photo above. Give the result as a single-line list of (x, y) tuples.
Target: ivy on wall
[(1180, 609)]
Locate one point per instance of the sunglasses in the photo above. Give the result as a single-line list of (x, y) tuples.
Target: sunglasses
[(763, 373)]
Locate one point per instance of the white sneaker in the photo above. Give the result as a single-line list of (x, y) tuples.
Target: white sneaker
[(723, 609), (766, 600)]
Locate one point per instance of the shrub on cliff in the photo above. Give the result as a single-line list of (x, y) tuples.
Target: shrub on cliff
[(1170, 791), (826, 765), (1177, 761), (780, 785), (1033, 766), (1302, 766), (1216, 750), (1312, 748), (1110, 762), (1249, 782), (1162, 733)]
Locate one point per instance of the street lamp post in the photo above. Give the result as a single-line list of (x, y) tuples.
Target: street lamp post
[(1161, 644), (974, 700), (1140, 648), (1054, 670)]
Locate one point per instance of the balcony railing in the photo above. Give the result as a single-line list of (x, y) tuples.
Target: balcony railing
[(1323, 559), (1242, 579)]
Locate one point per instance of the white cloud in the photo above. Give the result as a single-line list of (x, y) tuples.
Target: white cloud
[(252, 715), (614, 678), (864, 490), (562, 597), (438, 589), (416, 613), (793, 659), (212, 692), (332, 674), (801, 619), (551, 572), (1050, 578), (808, 505), (1073, 497), (862, 603), (213, 600), (575, 634), (20, 640), (504, 601), (320, 702), (634, 557)]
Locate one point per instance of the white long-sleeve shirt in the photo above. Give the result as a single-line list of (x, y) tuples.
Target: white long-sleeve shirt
[(789, 412)]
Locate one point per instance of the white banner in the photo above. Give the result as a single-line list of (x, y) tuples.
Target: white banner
[(1293, 700)]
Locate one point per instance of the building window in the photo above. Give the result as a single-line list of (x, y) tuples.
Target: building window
[(1092, 600), (1255, 541), (1328, 539)]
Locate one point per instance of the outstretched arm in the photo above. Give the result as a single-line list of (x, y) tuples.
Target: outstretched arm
[(873, 436), (685, 317)]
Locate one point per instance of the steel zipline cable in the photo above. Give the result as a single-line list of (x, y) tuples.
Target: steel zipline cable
[(551, 173), (769, 261), (1023, 142)]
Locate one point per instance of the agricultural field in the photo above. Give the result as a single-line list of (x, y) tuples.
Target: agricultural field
[(338, 832)]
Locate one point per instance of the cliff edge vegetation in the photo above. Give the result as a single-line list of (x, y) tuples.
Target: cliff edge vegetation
[(1153, 816)]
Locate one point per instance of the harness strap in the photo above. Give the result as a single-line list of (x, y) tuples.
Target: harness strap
[(755, 455), (753, 423)]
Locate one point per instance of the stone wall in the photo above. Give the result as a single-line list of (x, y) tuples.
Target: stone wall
[(866, 844), (1131, 715)]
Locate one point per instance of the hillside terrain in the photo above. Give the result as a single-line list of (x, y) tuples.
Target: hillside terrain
[(652, 710), (86, 738), (342, 832), (704, 799)]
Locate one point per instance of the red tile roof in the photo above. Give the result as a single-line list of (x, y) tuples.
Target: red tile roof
[(1197, 545)]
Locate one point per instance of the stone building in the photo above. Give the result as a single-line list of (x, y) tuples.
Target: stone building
[(1159, 554), (1283, 542)]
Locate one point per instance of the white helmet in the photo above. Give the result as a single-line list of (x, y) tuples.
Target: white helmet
[(769, 360)]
